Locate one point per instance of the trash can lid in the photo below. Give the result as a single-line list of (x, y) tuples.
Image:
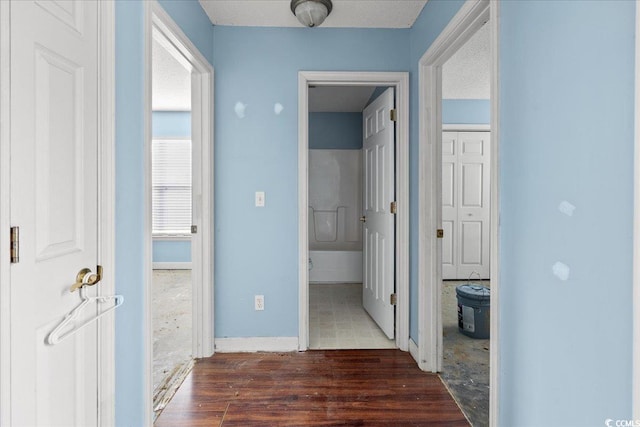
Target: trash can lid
[(476, 292)]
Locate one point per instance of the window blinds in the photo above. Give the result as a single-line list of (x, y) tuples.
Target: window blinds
[(171, 186)]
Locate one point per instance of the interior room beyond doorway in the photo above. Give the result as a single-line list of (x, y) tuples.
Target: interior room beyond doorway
[(337, 317), (466, 140)]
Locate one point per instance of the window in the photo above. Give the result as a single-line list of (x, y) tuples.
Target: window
[(171, 181)]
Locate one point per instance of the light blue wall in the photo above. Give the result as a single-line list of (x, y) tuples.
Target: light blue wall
[(194, 22), (434, 17), (466, 111), (566, 114), (129, 45), (129, 212), (171, 251), (376, 93), (167, 124), (257, 248), (339, 131)]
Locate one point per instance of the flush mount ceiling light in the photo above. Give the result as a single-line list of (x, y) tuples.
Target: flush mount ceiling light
[(311, 13)]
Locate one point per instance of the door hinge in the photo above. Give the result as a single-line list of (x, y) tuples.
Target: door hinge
[(440, 233), (393, 299), (394, 207), (194, 229), (15, 245), (393, 115)]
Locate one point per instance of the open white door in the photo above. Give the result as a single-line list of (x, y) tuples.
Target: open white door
[(54, 199), (379, 221)]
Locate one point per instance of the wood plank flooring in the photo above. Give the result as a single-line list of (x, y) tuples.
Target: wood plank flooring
[(313, 388)]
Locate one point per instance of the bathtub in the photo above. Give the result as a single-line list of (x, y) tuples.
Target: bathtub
[(335, 263)]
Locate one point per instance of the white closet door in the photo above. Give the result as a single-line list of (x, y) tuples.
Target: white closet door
[(465, 204), (449, 204)]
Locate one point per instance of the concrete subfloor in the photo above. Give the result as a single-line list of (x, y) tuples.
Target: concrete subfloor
[(171, 312), (466, 361)]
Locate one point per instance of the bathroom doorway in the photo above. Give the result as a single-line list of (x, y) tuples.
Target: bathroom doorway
[(345, 186), (345, 200)]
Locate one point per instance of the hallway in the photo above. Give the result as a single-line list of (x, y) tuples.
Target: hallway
[(347, 387)]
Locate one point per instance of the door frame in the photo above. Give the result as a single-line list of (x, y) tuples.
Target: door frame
[(202, 242), (471, 16), (106, 210), (635, 386), (400, 81)]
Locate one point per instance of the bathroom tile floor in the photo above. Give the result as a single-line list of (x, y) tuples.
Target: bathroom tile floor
[(337, 319)]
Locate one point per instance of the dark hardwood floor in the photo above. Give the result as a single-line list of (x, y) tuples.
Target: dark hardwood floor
[(320, 388)]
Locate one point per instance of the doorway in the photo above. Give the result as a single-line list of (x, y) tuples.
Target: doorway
[(351, 133), (172, 202), (466, 141), (469, 19), (179, 201), (399, 82)]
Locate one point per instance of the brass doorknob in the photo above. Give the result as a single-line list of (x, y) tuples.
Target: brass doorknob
[(363, 219), (86, 277)]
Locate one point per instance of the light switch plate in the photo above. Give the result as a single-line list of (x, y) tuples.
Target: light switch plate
[(259, 199)]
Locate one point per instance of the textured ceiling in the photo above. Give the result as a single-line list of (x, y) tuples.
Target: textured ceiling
[(466, 75), (171, 86), (339, 99), (346, 13)]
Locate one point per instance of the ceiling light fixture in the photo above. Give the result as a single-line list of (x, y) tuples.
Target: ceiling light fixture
[(311, 13)]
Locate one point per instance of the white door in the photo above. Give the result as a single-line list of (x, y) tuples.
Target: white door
[(379, 226), (54, 140), (449, 204), (465, 204)]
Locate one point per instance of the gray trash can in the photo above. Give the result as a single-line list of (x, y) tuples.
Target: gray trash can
[(473, 310)]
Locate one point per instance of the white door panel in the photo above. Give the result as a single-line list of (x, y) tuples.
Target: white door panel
[(379, 228), (465, 204), (449, 204), (54, 188)]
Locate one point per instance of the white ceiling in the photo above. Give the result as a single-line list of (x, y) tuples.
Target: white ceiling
[(171, 86), (466, 75), (339, 99), (345, 13)]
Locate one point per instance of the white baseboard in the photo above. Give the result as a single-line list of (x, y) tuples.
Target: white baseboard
[(254, 344), (413, 351), (172, 266)]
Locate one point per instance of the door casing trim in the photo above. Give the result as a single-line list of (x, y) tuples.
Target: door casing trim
[(400, 81), (635, 394), (471, 16), (202, 243)]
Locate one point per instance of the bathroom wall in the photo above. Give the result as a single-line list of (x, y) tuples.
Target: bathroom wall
[(340, 131), (335, 199), (171, 124)]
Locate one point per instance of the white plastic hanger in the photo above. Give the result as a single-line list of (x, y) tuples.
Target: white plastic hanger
[(55, 336)]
